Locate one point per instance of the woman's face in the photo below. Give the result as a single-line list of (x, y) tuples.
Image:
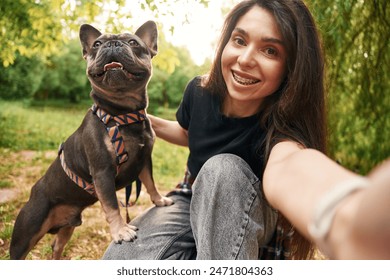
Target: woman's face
[(253, 62)]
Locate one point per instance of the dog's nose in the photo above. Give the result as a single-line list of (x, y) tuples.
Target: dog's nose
[(114, 44)]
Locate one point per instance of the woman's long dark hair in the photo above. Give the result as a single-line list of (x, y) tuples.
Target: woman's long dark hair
[(296, 111)]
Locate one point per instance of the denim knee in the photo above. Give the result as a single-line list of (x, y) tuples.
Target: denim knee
[(229, 216), (231, 166)]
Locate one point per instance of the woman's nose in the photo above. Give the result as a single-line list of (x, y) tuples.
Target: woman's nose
[(247, 57)]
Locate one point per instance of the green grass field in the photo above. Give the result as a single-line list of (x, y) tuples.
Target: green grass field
[(29, 138)]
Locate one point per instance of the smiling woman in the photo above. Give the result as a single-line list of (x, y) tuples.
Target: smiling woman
[(253, 63)]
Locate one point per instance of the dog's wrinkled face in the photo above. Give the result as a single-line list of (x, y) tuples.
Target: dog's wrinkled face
[(119, 65)]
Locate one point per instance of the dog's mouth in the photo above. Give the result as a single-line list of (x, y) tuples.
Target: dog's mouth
[(117, 66)]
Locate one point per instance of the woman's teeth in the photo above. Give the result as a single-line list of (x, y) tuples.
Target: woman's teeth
[(244, 81)]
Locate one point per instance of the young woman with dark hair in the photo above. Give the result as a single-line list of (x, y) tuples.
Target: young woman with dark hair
[(258, 183)]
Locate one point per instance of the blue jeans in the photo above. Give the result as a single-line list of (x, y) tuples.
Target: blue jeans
[(227, 217)]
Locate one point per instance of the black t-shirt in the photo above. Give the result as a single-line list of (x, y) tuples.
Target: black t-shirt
[(211, 133)]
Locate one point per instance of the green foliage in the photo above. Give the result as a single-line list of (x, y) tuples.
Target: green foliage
[(65, 76), (156, 89), (168, 55), (179, 79), (22, 79), (29, 28), (60, 76), (356, 35), (166, 88)]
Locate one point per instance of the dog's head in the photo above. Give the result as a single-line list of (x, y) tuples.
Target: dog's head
[(119, 65)]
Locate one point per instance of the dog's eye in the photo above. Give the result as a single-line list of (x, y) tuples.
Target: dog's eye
[(133, 43), (97, 44)]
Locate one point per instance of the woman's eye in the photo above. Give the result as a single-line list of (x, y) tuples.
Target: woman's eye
[(271, 51), (239, 41), (133, 43), (97, 44)]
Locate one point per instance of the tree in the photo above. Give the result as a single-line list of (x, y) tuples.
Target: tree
[(169, 80), (23, 79), (41, 27), (28, 28), (64, 76), (356, 35)]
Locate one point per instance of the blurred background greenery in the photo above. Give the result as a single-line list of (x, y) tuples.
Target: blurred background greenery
[(41, 67)]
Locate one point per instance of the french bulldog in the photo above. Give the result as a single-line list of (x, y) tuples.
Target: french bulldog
[(111, 148)]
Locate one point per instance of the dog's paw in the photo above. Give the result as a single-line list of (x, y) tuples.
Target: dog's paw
[(126, 233), (162, 201)]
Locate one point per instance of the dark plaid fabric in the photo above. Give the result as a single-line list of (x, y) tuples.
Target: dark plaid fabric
[(279, 247)]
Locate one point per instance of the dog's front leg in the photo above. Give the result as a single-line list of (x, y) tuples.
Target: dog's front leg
[(146, 178), (120, 230)]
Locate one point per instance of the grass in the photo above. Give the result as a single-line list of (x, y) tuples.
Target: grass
[(37, 127), (29, 137)]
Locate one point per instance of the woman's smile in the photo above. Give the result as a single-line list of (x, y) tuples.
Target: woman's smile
[(239, 78)]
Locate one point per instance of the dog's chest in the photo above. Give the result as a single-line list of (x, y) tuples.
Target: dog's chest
[(139, 149), (131, 141), (137, 141)]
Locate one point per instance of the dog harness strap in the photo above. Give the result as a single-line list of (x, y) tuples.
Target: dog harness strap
[(119, 146), (88, 187), (129, 188), (129, 118), (114, 132)]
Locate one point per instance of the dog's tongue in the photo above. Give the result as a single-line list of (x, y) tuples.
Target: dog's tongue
[(113, 65)]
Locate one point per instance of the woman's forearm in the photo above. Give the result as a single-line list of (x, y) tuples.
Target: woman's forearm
[(295, 180), (344, 213), (170, 131)]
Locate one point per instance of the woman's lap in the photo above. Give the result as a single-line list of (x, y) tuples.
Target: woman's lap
[(229, 219)]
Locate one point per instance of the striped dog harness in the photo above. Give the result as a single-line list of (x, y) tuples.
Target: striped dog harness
[(116, 140), (113, 131)]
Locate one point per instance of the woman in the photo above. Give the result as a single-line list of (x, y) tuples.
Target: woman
[(255, 127)]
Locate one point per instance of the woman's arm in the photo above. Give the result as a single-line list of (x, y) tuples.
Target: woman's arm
[(296, 178), (296, 181), (170, 131)]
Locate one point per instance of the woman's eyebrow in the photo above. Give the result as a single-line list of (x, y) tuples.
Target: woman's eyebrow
[(240, 30), (273, 40), (264, 39)]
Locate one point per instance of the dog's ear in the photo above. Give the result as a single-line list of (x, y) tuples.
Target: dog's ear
[(148, 33), (88, 34)]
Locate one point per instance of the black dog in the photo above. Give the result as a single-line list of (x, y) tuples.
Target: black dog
[(111, 148)]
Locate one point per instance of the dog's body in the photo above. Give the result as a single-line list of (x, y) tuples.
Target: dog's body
[(119, 68)]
